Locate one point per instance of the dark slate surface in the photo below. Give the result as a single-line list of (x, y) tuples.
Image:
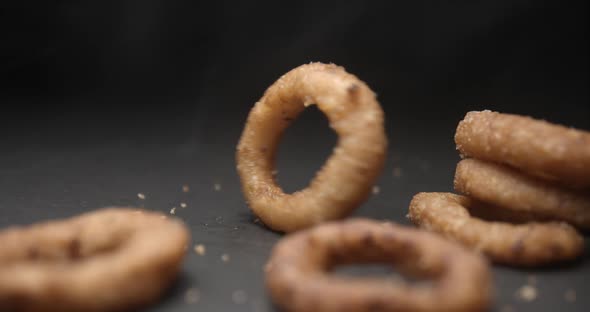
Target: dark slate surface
[(71, 165), (102, 100)]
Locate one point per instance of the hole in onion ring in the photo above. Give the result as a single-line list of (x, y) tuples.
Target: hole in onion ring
[(304, 148), (372, 270), (383, 271)]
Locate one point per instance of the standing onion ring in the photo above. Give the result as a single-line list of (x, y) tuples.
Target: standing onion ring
[(113, 259), (346, 178)]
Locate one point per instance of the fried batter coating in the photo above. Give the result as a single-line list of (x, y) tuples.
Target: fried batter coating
[(297, 274), (345, 180), (114, 259), (530, 244), (540, 148), (508, 188)]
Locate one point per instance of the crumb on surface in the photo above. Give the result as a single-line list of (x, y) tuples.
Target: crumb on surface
[(200, 249), (140, 195), (173, 210), (527, 293), (217, 187), (185, 188), (182, 205), (376, 189), (225, 257), (570, 295), (192, 295), (397, 172), (239, 296)]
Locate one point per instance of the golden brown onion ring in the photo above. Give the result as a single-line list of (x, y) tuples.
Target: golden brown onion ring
[(540, 148), (510, 189), (109, 260), (346, 178), (298, 279), (529, 244)]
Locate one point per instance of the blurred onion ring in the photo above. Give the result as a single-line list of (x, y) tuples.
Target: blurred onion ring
[(112, 259), (510, 189), (540, 148), (297, 274), (529, 244), (346, 178)]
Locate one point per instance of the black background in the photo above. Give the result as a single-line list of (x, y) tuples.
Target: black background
[(103, 100)]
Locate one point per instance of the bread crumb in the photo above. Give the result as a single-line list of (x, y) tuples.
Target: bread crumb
[(527, 293), (173, 210), (239, 297), (397, 172), (200, 249), (217, 187), (256, 220), (182, 205), (376, 189), (570, 295), (140, 196), (185, 188), (225, 258), (192, 295)]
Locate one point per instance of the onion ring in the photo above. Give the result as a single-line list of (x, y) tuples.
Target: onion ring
[(530, 244), (508, 188), (346, 178), (298, 280), (535, 146), (109, 260)]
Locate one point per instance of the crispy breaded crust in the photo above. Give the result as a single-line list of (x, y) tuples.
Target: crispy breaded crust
[(346, 178), (298, 279), (114, 259), (530, 244), (510, 189), (538, 147)]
